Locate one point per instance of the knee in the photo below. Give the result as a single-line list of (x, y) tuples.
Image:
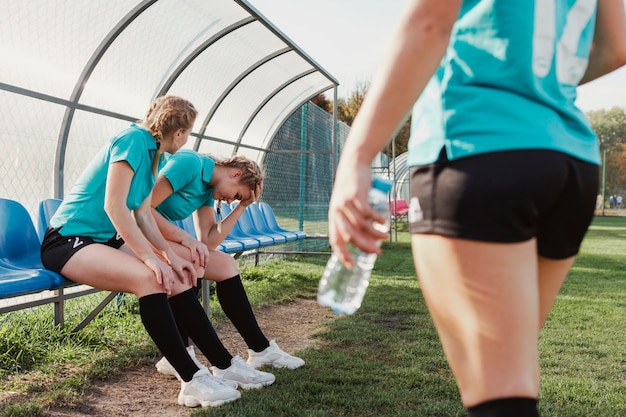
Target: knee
[(146, 284), (221, 267), (200, 271), (229, 266)]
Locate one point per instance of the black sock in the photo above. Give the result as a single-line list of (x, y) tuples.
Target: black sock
[(183, 333), (506, 407), (159, 322), (236, 306), (193, 319)]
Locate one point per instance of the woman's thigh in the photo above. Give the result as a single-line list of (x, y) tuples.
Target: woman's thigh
[(110, 269), (484, 300)]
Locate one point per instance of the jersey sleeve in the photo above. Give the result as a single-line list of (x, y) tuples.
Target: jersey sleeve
[(129, 148)]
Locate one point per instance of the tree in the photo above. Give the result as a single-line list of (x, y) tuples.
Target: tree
[(347, 110), (321, 101), (610, 126), (402, 137)]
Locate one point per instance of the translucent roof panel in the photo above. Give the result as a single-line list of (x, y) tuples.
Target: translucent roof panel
[(216, 147), (265, 124), (90, 68), (222, 65), (46, 43), (144, 54), (250, 93)]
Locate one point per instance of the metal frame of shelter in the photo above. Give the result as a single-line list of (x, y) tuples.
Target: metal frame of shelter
[(75, 73), (265, 87)]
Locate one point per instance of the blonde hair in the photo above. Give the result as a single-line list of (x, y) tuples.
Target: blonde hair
[(168, 114), (251, 173)]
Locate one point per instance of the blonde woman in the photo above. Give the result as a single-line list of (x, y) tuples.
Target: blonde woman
[(104, 235)]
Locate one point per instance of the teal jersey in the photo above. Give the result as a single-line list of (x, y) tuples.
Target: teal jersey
[(189, 174), (82, 211), (508, 81)]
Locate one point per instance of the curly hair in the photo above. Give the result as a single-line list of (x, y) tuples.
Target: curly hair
[(168, 114), (252, 173)]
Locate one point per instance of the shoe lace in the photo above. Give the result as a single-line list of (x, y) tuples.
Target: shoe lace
[(245, 369), (209, 380)]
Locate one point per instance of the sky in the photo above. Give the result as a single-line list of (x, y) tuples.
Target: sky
[(348, 37)]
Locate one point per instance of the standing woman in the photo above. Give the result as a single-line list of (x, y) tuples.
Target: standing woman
[(504, 172), (192, 182), (104, 235)]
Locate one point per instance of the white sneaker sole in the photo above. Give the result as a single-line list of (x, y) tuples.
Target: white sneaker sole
[(253, 385), (192, 402), (166, 370), (273, 365)]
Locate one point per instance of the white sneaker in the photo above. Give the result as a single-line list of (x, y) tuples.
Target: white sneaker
[(164, 366), (205, 390), (243, 374), (273, 356)]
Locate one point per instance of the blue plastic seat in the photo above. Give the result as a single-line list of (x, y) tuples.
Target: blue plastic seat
[(272, 223), (231, 244), (247, 242), (19, 242), (245, 228), (14, 282), (260, 226), (187, 225), (47, 208), (21, 270)]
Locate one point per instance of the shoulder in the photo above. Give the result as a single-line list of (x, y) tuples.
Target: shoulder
[(184, 156), (134, 137), (184, 162)]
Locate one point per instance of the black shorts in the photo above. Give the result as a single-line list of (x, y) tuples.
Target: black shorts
[(56, 249), (509, 196)]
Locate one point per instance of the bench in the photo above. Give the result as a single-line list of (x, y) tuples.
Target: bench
[(399, 208), (22, 274), (257, 228), (26, 283)]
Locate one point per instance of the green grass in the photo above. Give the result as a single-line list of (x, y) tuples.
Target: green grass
[(583, 344), (385, 360)]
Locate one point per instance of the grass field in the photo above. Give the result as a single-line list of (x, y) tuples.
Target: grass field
[(385, 360)]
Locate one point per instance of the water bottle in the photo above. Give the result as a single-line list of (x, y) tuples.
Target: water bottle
[(341, 288)]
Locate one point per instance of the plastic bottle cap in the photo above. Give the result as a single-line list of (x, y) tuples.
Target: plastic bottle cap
[(382, 184)]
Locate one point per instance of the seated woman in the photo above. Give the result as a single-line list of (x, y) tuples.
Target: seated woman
[(104, 235), (188, 182)]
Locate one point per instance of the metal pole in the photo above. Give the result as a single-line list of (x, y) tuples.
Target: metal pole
[(334, 134), (395, 182), (303, 147), (603, 178)]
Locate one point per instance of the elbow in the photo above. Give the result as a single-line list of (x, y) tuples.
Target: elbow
[(616, 60), (209, 245), (612, 53), (620, 58), (111, 210)]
